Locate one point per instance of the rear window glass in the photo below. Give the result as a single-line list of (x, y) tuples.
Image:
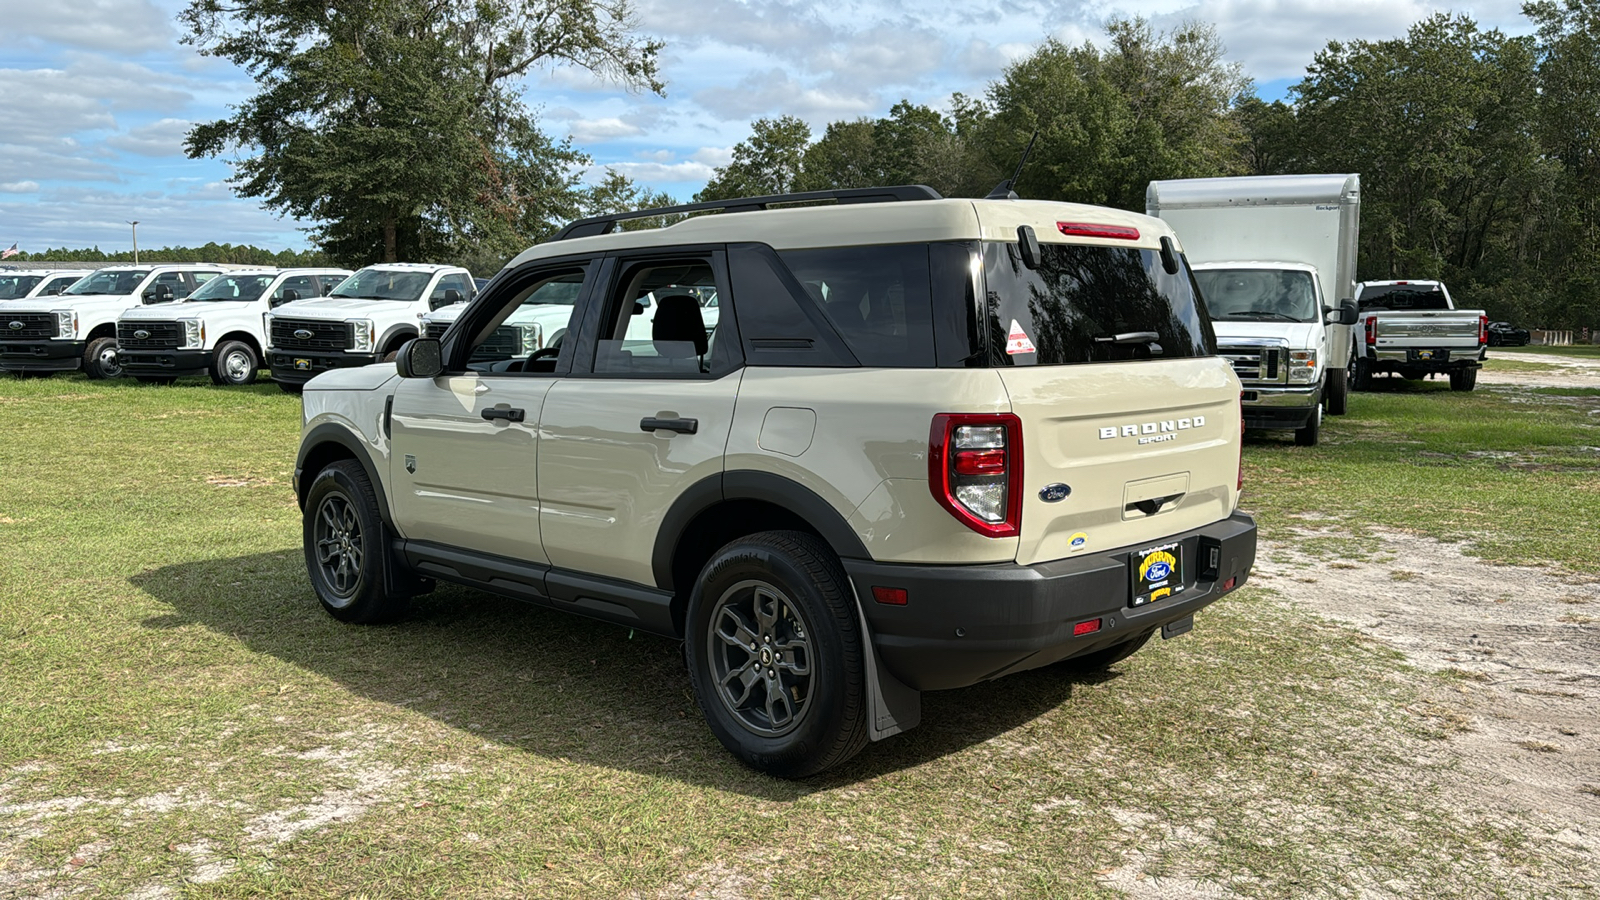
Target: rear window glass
[(1088, 304), (876, 297), (1402, 296)]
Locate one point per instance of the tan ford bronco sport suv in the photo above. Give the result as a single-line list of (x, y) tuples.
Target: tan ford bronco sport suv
[(928, 442)]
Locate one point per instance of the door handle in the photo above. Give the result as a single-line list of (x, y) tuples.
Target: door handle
[(681, 426), (510, 415)]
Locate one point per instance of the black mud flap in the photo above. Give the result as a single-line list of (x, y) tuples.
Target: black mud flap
[(892, 707), (1177, 629)]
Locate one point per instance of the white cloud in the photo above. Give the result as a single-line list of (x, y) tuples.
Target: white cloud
[(163, 137), (112, 25), (713, 156), (19, 187), (595, 130), (774, 92), (649, 173)]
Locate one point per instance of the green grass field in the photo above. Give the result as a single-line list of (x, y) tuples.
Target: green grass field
[(179, 718)]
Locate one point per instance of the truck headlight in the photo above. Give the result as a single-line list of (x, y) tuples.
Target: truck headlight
[(529, 338), (194, 334), (361, 335), (1303, 365), (66, 323)]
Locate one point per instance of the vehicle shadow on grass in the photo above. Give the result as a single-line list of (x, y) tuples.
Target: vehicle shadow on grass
[(548, 682)]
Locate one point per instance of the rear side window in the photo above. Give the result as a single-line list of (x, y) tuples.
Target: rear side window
[(1402, 296), (1088, 304), (877, 298)]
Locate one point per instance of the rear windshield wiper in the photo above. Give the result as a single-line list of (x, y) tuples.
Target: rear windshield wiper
[(1128, 337)]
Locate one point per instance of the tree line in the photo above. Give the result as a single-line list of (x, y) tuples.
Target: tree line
[(227, 254), (1479, 152)]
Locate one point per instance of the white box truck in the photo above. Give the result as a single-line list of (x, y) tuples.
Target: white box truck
[(1275, 258)]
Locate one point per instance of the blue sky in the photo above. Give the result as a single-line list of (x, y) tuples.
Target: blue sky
[(96, 95)]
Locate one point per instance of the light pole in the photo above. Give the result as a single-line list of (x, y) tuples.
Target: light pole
[(135, 224)]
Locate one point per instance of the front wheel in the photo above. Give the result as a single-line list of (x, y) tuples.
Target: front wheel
[(100, 358), (775, 654), (234, 363), (1307, 436), (342, 532)]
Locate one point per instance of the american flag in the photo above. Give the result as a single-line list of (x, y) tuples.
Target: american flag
[(7, 254)]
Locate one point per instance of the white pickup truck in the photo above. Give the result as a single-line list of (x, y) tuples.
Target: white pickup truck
[(363, 321), (78, 327), (217, 330), (27, 284), (1413, 329)]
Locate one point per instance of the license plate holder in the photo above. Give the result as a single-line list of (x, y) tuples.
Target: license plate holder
[(302, 365), (1156, 573)]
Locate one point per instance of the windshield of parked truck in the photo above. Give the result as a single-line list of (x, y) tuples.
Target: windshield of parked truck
[(14, 286), (1258, 295), (233, 287), (1091, 305), (121, 281), (383, 284), (1402, 296)]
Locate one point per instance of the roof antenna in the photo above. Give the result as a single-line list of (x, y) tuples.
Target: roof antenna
[(1003, 190)]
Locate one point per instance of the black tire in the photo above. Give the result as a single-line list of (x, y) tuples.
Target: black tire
[(234, 363), (1308, 435), (291, 387), (1363, 380), (786, 594), (346, 554), (1337, 392), (154, 379), (100, 359), (1463, 379), (1105, 658)]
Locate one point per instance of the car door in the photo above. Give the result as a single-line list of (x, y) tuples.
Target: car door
[(643, 416), (465, 445)]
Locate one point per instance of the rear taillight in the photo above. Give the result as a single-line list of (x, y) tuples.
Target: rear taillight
[(1483, 330), (1372, 331), (975, 470)]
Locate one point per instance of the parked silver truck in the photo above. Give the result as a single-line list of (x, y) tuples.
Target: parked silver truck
[(1412, 329)]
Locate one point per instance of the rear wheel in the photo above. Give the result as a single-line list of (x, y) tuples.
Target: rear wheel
[(1363, 379), (1307, 436), (1463, 379), (1338, 392), (1100, 660), (775, 654), (234, 363), (100, 358), (342, 532)]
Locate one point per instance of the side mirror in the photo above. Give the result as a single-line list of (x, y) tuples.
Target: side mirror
[(287, 297), (419, 358), (161, 293), (452, 297), (1028, 246), (51, 292), (1347, 313)]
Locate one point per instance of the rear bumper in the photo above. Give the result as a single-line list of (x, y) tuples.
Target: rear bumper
[(1282, 407), (42, 355), (165, 362), (285, 369), (1443, 359), (966, 624)]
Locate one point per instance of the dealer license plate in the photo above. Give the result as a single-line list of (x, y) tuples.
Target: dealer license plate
[(1424, 354), (303, 365), (1157, 573)]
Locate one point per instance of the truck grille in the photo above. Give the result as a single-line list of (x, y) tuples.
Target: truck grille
[(502, 344), (436, 330), (1257, 365), (34, 326), (323, 335), (157, 335)]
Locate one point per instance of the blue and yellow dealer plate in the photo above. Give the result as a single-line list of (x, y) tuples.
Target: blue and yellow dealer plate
[(1157, 573)]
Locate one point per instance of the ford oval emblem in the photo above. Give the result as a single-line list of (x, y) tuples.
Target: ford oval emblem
[(16, 326), (304, 334), (141, 334), (1054, 493)]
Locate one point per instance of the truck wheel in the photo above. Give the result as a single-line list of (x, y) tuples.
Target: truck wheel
[(234, 363), (1363, 380), (100, 358), (1463, 379), (1338, 392), (342, 533), (774, 652), (1100, 660), (289, 387), (1307, 436)]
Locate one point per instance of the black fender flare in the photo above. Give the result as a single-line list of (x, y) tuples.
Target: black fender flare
[(743, 484), (394, 332), (333, 433)]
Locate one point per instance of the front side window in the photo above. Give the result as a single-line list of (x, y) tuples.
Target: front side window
[(233, 287), (1259, 295), (14, 286), (383, 284), (527, 333), (654, 322), (59, 284), (172, 281), (877, 298), (124, 281), (1090, 304), (303, 287)]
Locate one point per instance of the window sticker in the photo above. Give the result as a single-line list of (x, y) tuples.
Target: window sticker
[(1017, 341)]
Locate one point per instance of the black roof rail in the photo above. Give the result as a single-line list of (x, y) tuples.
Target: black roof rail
[(605, 224)]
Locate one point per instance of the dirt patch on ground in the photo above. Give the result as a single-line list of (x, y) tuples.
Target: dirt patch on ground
[(1568, 371), (1522, 646)]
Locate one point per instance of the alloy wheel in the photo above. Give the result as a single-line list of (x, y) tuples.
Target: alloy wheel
[(761, 656), (340, 549)]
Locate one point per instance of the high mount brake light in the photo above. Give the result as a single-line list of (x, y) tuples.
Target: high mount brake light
[(975, 470), (1090, 229)]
